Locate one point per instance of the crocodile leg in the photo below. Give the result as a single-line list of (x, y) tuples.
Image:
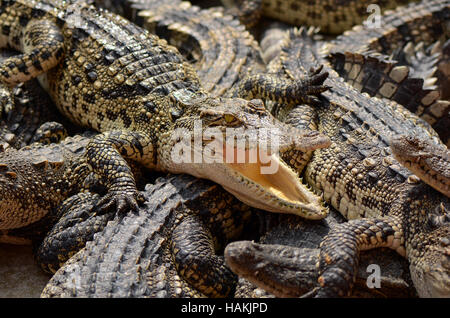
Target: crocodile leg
[(50, 132), (42, 45), (74, 228), (194, 254), (302, 117), (271, 87), (106, 153), (339, 251)]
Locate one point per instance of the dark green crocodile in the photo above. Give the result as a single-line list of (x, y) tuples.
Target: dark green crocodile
[(108, 74), (387, 206)]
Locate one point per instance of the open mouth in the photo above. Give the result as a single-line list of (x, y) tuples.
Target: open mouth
[(273, 186)]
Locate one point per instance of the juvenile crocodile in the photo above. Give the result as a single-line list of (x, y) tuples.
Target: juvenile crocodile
[(34, 180), (332, 16), (108, 74), (423, 22), (387, 206), (166, 249), (428, 161), (217, 45), (287, 253), (30, 114)]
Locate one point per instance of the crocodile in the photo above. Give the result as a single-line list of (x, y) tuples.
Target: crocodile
[(39, 184), (31, 112), (399, 29), (217, 45), (170, 248), (287, 253), (443, 71), (92, 62), (220, 48), (386, 205), (428, 161), (331, 16), (35, 180)]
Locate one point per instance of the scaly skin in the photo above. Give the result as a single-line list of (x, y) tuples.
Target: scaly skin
[(398, 29), (108, 74), (359, 177), (332, 16), (35, 180), (387, 206), (167, 249), (30, 109), (217, 45), (40, 184), (428, 161), (221, 50), (284, 260)]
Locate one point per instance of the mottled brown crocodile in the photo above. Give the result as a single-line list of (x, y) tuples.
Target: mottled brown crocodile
[(34, 181), (387, 206), (106, 73), (171, 247), (332, 16), (287, 254), (426, 160), (363, 56)]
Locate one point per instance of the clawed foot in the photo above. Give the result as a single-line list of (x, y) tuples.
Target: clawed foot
[(50, 132), (123, 201), (313, 86)]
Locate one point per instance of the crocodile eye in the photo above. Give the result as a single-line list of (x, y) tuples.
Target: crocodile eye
[(229, 118)]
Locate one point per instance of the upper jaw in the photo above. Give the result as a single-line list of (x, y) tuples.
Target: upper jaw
[(433, 283)]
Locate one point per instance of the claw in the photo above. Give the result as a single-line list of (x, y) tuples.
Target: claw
[(313, 101), (124, 201), (318, 79), (316, 71)]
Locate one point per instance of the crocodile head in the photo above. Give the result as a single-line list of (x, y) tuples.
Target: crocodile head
[(236, 143), (431, 275), (428, 160), (428, 244)]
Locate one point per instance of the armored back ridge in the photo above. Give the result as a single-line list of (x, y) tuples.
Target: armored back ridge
[(359, 177), (167, 249), (108, 74)]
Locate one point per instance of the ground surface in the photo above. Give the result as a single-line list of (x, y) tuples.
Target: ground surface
[(20, 276)]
